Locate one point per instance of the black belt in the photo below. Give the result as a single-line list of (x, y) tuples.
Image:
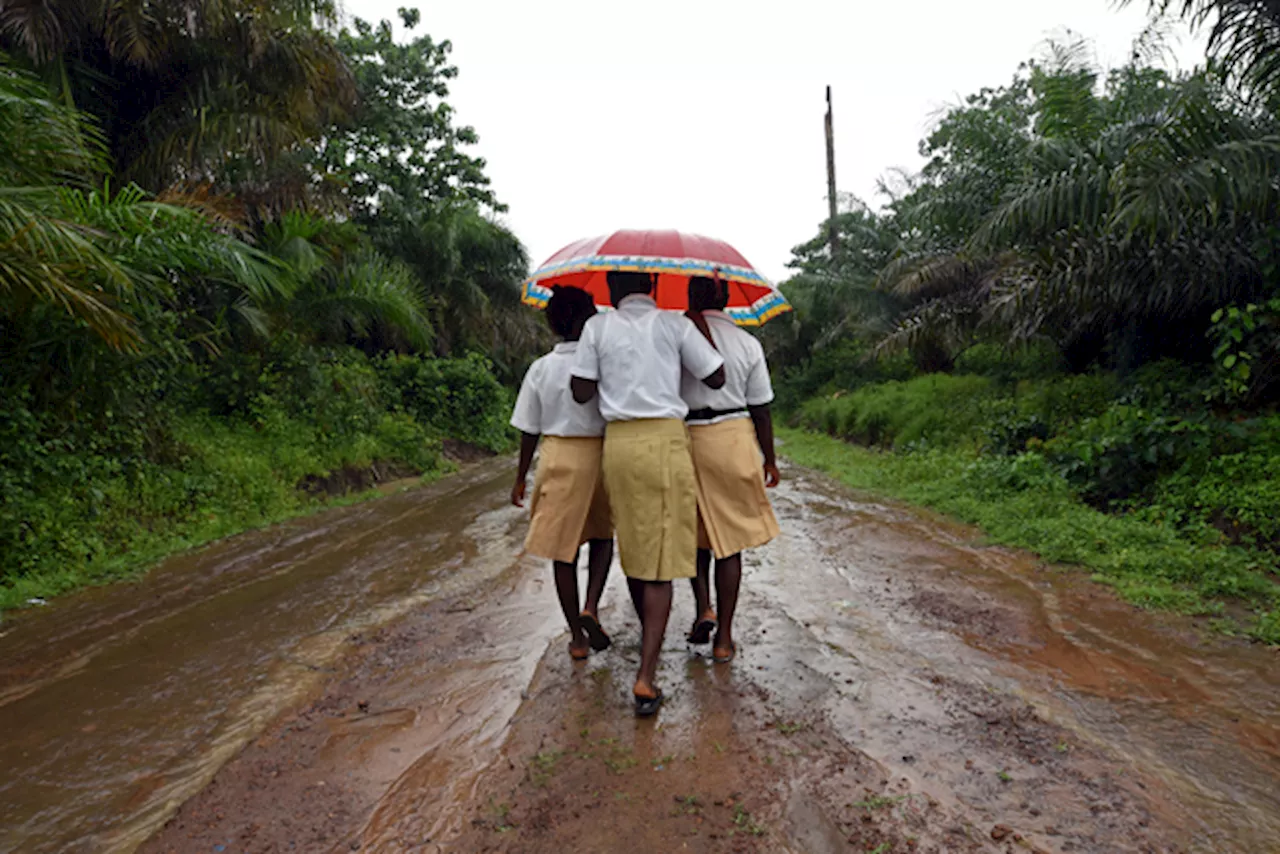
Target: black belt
[(712, 414)]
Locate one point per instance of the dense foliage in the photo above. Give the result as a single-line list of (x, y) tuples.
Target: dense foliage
[(1078, 296), (230, 237)]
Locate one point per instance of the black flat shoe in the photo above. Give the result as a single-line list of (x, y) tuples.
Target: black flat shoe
[(595, 635), (647, 707), (701, 632)]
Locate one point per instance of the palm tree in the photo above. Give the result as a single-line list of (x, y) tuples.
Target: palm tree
[(185, 91), (343, 289), (1144, 225), (1244, 36)]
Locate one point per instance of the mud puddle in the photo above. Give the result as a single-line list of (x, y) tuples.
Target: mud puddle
[(900, 688)]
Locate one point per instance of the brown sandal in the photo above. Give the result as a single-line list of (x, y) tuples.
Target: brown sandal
[(724, 654), (579, 654)]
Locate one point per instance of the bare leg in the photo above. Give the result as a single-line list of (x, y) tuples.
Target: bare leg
[(600, 555), (702, 586), (636, 588), (704, 616), (657, 608), (567, 589), (728, 580)]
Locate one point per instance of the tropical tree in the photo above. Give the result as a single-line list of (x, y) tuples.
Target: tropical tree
[(184, 90), (1244, 37), (344, 290), (401, 165), (1137, 211)]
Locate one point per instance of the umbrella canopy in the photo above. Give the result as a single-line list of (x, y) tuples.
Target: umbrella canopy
[(674, 257)]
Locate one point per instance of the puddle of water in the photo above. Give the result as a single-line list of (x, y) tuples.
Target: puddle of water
[(119, 703)]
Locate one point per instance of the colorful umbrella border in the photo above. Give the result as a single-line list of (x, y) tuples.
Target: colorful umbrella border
[(758, 313), (761, 311), (650, 264)]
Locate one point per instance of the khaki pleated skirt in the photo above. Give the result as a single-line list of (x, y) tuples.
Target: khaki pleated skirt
[(569, 505), (734, 513), (648, 473)]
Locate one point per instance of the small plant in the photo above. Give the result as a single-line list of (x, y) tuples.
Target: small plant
[(687, 805), (619, 764), (876, 802), (743, 821), (500, 813), (790, 727), (1003, 774), (544, 765)]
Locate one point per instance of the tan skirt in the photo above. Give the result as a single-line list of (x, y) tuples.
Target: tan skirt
[(569, 505), (733, 509), (648, 473)]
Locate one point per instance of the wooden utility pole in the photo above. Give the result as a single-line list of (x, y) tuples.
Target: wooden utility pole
[(832, 232)]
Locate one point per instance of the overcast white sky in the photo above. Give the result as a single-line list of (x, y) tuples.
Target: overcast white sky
[(703, 116)]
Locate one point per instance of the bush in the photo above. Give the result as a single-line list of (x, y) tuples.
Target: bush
[(459, 398), (936, 409), (1235, 495), (1005, 366)]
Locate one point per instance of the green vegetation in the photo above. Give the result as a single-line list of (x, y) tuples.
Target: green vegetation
[(1066, 327), (230, 238)]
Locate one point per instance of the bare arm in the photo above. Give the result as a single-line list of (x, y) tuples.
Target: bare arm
[(528, 444), (762, 419), (715, 379), (583, 390)]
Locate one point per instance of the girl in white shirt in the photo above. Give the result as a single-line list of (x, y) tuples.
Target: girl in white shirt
[(569, 506), (731, 437)]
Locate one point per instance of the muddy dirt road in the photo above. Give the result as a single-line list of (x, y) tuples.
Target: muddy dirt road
[(389, 677)]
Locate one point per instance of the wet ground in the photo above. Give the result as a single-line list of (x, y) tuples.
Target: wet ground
[(390, 677)]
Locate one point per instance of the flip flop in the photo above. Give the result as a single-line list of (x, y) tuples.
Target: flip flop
[(595, 635), (578, 654), (647, 707), (724, 654), (701, 632)]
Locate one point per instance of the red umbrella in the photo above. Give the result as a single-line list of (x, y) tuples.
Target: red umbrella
[(674, 257)]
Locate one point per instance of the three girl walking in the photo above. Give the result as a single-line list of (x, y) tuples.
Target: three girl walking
[(658, 421)]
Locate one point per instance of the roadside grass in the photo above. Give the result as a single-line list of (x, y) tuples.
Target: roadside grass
[(1029, 507), (231, 478)]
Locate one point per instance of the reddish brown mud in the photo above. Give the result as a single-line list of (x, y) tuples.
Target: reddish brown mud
[(392, 677)]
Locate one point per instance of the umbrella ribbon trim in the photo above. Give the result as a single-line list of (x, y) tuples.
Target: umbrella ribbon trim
[(650, 264), (759, 312)]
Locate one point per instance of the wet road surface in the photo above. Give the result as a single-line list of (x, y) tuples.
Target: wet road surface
[(391, 677)]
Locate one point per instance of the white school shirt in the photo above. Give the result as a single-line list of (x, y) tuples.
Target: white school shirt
[(545, 405), (635, 354), (746, 375)]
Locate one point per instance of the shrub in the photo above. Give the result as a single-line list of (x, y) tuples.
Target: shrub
[(936, 409), (1123, 451), (459, 398)]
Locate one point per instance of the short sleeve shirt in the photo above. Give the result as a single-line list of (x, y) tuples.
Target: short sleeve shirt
[(746, 381), (636, 354), (545, 405)]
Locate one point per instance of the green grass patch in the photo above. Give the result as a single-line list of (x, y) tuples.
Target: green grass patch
[(1020, 501), (106, 521)]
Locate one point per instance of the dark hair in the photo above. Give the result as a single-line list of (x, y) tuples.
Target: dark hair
[(706, 293), (624, 283), (568, 309)]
